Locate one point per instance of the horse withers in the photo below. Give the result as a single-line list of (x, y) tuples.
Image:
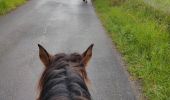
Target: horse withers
[(64, 76)]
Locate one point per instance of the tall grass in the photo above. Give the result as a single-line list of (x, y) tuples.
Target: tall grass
[(163, 5), (142, 34), (7, 5)]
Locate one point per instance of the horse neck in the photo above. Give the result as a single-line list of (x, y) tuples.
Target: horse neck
[(63, 84)]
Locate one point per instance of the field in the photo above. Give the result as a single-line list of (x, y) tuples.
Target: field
[(141, 31), (8, 5)]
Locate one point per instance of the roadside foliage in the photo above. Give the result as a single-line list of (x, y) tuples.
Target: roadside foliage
[(141, 31), (7, 5)]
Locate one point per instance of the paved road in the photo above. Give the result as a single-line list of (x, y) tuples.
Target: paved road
[(60, 26)]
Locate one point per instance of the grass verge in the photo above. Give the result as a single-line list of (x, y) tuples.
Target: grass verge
[(142, 34), (8, 5), (163, 5)]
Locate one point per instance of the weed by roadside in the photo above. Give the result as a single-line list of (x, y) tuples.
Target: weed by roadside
[(142, 34), (7, 5)]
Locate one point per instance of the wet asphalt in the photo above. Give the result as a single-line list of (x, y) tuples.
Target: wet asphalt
[(60, 26)]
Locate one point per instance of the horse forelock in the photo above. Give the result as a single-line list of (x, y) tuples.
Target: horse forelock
[(61, 80)]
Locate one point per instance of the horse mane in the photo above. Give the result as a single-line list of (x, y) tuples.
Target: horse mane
[(62, 81)]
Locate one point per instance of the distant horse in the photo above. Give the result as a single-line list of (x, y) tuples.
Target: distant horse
[(85, 1), (64, 76)]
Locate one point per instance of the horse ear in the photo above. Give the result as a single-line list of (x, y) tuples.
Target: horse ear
[(44, 55), (87, 55)]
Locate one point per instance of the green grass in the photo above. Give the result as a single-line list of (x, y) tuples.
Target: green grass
[(142, 34), (7, 5), (163, 5)]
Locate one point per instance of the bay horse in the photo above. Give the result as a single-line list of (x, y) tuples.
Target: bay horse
[(64, 76)]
